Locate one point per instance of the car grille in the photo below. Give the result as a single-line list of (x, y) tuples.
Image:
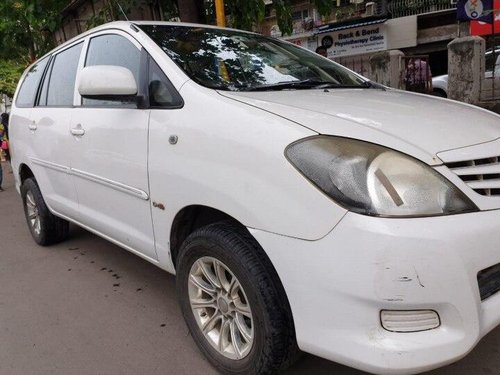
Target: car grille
[(481, 175), (489, 281)]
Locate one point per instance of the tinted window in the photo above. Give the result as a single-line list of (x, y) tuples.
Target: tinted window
[(161, 92), (62, 78), (27, 92), (45, 85), (113, 50)]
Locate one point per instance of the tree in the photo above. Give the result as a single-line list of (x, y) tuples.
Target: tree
[(27, 27), (245, 14), (10, 72)]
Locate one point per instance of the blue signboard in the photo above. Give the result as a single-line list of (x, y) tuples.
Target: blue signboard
[(475, 10)]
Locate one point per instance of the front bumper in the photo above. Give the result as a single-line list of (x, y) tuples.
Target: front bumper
[(337, 286)]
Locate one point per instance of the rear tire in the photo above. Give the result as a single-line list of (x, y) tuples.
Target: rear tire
[(45, 228), (212, 260)]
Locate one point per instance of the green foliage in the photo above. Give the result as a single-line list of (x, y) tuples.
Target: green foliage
[(27, 26), (324, 7), (115, 10), (111, 11), (10, 72), (284, 16), (245, 13), (169, 8)]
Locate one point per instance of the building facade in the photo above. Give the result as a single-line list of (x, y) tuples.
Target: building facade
[(358, 28)]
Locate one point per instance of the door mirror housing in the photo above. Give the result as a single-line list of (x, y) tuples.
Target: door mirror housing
[(107, 82)]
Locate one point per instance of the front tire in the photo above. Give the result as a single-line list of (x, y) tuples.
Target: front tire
[(46, 229), (233, 302)]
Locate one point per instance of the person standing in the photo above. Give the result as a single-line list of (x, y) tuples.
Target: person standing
[(5, 123), (2, 134)]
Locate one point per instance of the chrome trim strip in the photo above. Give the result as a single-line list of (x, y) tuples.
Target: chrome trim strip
[(111, 184), (138, 193), (47, 164)]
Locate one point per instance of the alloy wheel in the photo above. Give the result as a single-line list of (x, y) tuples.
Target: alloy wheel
[(33, 213), (221, 308)]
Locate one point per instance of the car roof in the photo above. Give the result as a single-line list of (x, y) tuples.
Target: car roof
[(126, 25)]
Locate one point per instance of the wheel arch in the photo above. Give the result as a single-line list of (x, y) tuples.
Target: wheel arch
[(25, 172), (190, 218), (439, 92)]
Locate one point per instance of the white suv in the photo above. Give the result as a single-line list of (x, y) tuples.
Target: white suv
[(300, 205)]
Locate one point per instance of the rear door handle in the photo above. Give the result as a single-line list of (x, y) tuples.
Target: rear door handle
[(32, 126), (78, 130)]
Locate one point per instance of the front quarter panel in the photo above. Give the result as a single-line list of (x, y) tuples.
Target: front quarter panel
[(230, 156)]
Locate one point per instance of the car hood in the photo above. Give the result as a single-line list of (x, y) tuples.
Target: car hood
[(419, 125)]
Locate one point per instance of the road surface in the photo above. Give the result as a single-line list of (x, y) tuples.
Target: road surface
[(88, 307)]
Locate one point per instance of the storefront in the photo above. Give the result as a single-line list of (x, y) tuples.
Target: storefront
[(348, 40), (368, 36)]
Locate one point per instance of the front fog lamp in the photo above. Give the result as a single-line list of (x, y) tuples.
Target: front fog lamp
[(409, 320), (374, 180)]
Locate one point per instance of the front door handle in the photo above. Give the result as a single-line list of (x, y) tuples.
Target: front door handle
[(32, 126), (78, 130)]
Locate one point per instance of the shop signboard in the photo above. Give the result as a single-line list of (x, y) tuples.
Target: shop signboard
[(309, 43), (355, 41), (483, 28)]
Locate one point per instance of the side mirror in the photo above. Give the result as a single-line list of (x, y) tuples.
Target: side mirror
[(107, 82)]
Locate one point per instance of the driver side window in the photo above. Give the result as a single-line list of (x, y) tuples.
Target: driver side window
[(113, 49)]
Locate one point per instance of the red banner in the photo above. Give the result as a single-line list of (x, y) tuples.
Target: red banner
[(483, 28)]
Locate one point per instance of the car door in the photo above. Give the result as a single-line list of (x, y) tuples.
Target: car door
[(109, 157), (50, 121), (22, 128)]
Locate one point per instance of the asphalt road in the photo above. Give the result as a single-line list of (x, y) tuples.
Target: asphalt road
[(88, 307)]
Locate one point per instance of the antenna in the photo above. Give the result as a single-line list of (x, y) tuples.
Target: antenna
[(121, 10)]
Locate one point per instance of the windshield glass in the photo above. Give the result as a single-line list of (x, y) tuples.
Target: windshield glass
[(240, 61)]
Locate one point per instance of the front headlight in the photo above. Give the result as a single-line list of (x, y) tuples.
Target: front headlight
[(374, 180)]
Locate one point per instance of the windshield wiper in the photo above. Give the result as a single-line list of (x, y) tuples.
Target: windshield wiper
[(307, 84), (304, 84)]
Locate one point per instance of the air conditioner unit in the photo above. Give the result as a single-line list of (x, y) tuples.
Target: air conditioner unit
[(370, 9)]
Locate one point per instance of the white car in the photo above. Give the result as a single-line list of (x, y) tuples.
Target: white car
[(491, 81), (440, 86), (300, 205)]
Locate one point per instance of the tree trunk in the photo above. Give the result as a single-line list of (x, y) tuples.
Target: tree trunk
[(191, 11)]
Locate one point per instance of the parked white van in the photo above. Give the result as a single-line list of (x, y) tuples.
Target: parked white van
[(300, 205)]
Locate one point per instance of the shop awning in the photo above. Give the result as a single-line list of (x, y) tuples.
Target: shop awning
[(336, 26)]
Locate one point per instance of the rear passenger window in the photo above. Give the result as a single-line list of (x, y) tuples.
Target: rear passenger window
[(114, 50), (27, 92), (61, 87)]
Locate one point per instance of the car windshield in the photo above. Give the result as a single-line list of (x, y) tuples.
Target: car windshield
[(241, 61)]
